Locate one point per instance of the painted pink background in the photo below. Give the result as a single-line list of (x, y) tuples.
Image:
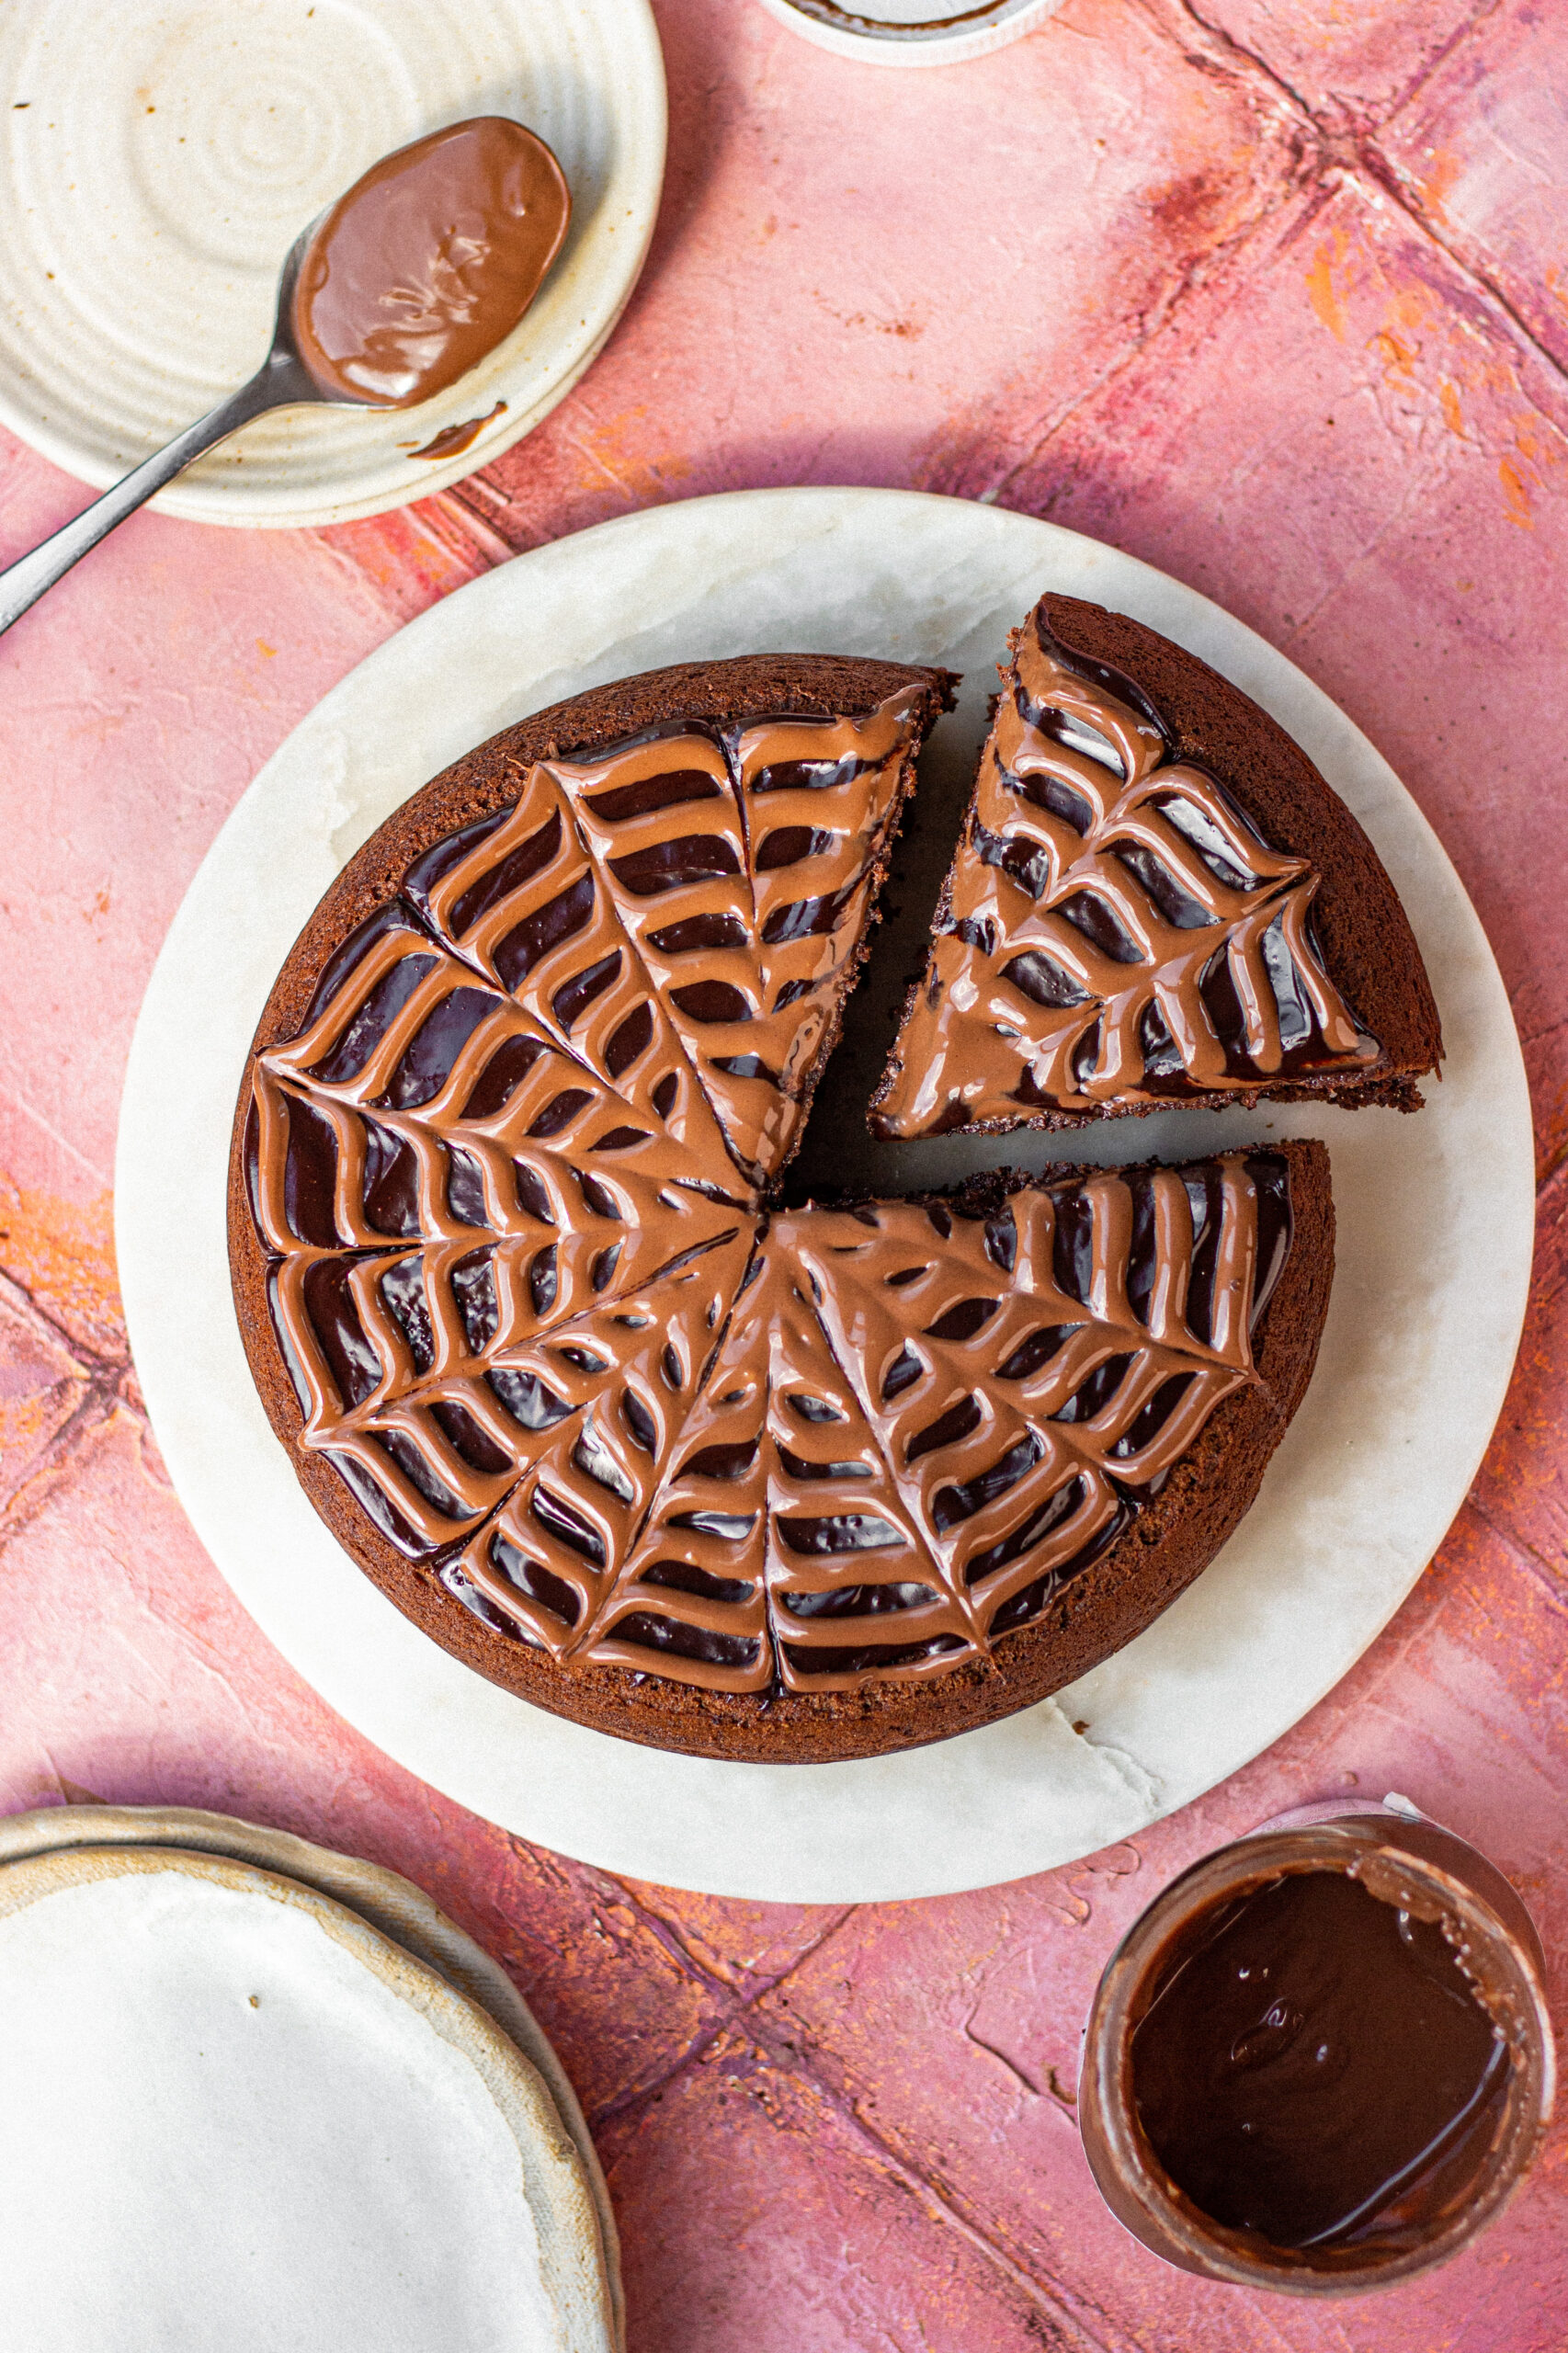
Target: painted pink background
[(1272, 292)]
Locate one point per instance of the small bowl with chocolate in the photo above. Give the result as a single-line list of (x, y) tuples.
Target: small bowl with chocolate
[(1320, 2061)]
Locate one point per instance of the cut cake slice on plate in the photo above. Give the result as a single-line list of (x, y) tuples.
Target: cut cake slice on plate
[(1157, 901)]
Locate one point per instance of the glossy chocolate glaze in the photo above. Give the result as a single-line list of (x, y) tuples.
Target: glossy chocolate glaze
[(1114, 930), (1314, 2067), (428, 262), (827, 12), (508, 1177)]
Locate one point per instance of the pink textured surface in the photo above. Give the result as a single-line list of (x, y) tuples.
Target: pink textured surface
[(1273, 292)]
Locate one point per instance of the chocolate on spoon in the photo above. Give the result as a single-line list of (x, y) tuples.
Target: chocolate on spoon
[(428, 262), (390, 297)]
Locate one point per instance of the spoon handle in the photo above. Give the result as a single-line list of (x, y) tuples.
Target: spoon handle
[(24, 581)]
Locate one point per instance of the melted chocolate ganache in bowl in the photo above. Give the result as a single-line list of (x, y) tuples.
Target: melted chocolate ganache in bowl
[(1320, 2059), (1317, 2065)]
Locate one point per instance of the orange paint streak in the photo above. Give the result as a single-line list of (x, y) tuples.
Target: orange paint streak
[(1448, 401), (1516, 494), (1437, 182), (1409, 309), (1326, 298), (25, 1422), (613, 452), (1397, 356), (63, 1256)]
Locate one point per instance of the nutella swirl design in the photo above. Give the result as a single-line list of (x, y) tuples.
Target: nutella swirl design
[(1115, 930), (742, 867), (507, 1179)]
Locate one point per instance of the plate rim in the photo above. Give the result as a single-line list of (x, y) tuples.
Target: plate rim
[(807, 512)]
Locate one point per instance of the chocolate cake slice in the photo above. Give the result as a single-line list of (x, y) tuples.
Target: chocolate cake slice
[(614, 1429), (743, 864), (1156, 900)]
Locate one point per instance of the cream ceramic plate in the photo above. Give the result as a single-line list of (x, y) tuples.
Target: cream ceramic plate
[(235, 2112), (393, 1905), (160, 157), (1436, 1216)]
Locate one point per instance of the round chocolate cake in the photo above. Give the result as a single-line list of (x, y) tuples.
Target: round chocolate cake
[(617, 1430)]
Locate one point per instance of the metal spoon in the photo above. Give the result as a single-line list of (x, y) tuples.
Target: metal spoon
[(281, 381)]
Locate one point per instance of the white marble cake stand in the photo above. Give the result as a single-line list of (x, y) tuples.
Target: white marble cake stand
[(1436, 1217)]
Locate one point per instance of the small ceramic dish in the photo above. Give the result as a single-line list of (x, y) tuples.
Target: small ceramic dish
[(912, 32), (158, 161), (302, 2114)]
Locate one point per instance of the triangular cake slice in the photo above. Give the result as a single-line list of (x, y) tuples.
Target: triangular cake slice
[(781, 1549), (517, 898), (1156, 900), (743, 853), (621, 1383)]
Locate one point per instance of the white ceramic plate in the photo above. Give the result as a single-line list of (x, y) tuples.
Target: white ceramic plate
[(393, 1905), (1436, 1217), (236, 2112), (160, 156)]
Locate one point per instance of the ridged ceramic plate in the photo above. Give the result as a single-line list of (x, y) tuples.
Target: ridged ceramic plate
[(236, 2112), (159, 160), (1436, 1217)]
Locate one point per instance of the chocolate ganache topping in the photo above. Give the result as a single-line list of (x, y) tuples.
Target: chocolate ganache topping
[(1114, 929), (1315, 2066), (510, 1179)]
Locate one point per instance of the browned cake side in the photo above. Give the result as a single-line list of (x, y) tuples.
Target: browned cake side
[(1368, 949)]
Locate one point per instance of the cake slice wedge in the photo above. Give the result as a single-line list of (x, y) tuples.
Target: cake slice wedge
[(1156, 900), (743, 856)]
